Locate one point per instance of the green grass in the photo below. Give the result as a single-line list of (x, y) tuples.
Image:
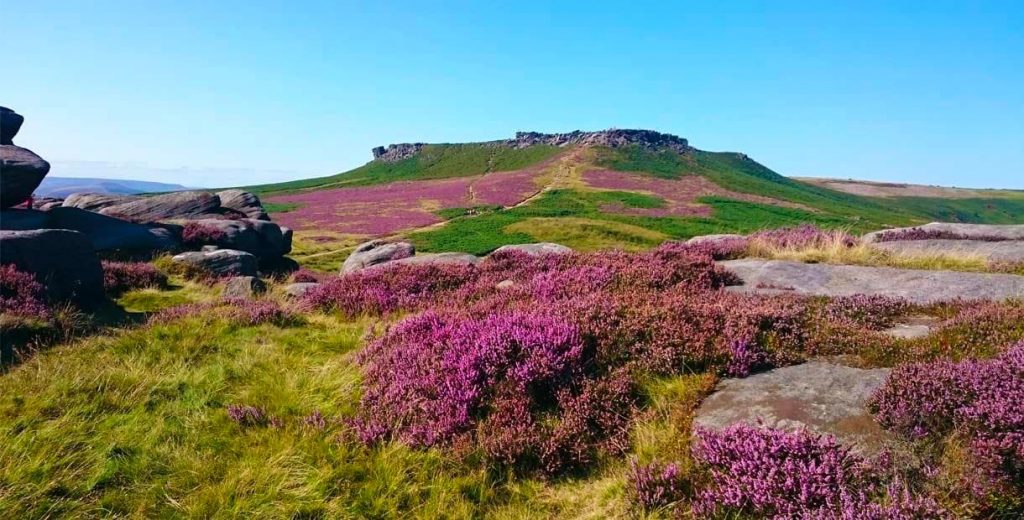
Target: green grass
[(435, 161), (484, 232)]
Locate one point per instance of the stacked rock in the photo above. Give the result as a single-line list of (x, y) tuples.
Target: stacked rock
[(21, 170)]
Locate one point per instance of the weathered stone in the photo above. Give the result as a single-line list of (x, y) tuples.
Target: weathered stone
[(46, 203), (244, 287), (299, 289), (715, 239), (21, 171), (180, 205), (260, 237), (222, 262), (505, 284), (913, 327), (969, 231), (1009, 250), (96, 201), (538, 249), (396, 152), (612, 138), (10, 123), (376, 252), (919, 286), (438, 259), (23, 219), (822, 397), (63, 260), (243, 202), (112, 234)]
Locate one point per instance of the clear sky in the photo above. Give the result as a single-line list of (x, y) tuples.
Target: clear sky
[(212, 93)]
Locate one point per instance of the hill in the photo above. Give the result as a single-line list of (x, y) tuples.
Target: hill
[(615, 188), (64, 186)]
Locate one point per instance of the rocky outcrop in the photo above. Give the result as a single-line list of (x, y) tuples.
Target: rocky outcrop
[(376, 252), (919, 286), (243, 202), (396, 152), (222, 262), (260, 237), (244, 287), (112, 234), (824, 398), (10, 123), (96, 201), (613, 138), (21, 171), (182, 204), (46, 203), (63, 260), (956, 231), (538, 249)]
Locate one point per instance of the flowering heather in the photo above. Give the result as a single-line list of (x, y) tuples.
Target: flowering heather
[(979, 400), (21, 294), (655, 485), (388, 289), (315, 420), (119, 277), (505, 188), (246, 415), (303, 275), (932, 234), (803, 236), (766, 473), (873, 312), (681, 195), (198, 234)]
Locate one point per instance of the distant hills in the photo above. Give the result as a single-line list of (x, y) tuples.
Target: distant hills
[(61, 187)]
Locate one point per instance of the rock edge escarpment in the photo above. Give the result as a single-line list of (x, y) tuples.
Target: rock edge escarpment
[(612, 138)]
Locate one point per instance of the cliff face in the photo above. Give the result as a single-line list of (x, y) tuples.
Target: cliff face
[(612, 138)]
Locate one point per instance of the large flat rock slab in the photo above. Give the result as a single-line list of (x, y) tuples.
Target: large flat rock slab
[(920, 286), (1007, 251), (957, 230), (825, 398)]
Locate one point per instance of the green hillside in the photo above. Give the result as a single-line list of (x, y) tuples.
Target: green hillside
[(577, 215)]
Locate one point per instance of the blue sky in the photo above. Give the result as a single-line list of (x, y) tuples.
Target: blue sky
[(220, 93)]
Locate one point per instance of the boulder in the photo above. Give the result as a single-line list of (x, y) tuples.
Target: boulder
[(222, 262), (298, 290), (21, 171), (10, 123), (243, 202), (262, 238), (96, 201), (63, 260), (824, 398), (244, 287), (438, 259), (966, 231), (724, 238), (1007, 251), (180, 205), (23, 219), (540, 248), (376, 252), (112, 234), (918, 286)]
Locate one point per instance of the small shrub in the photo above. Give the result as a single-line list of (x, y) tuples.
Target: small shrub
[(21, 294), (248, 416), (303, 275), (655, 485), (932, 234), (120, 277), (801, 237)]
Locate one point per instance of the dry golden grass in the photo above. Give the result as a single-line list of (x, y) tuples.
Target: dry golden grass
[(836, 251)]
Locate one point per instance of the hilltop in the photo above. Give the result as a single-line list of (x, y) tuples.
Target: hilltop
[(630, 189)]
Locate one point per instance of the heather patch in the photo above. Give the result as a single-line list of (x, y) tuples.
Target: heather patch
[(120, 277), (933, 234)]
